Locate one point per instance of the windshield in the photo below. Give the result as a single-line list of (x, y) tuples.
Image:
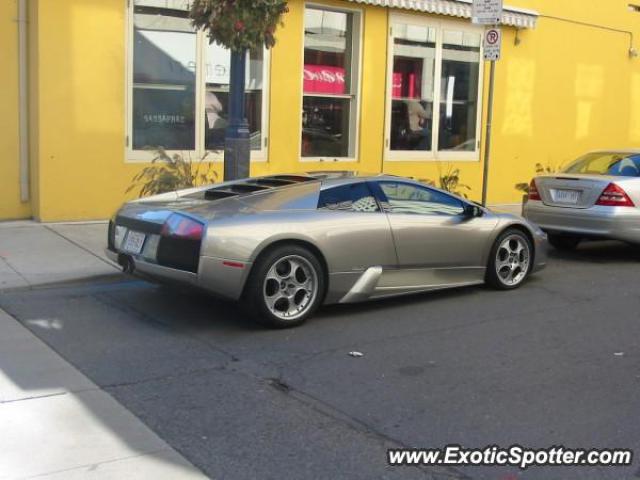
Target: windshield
[(616, 164)]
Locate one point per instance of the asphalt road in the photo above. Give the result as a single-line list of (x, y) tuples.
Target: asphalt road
[(556, 362)]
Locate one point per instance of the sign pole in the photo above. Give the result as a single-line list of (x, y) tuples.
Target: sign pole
[(489, 13), (487, 141)]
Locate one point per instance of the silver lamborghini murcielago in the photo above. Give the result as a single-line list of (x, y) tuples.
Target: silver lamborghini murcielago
[(285, 244)]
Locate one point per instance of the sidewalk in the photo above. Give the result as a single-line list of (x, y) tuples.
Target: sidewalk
[(33, 254), (56, 423)]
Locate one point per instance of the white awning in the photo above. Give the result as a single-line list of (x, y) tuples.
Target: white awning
[(511, 16)]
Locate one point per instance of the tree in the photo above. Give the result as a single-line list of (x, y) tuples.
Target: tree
[(239, 25)]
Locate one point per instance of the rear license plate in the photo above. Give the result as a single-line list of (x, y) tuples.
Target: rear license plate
[(134, 242), (566, 196)]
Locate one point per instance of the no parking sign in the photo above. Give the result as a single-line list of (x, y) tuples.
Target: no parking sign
[(492, 44)]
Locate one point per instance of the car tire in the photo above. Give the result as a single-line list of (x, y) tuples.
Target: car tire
[(285, 287), (564, 242), (510, 261)]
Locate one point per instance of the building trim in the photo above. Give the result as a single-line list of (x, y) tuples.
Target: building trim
[(511, 16), (23, 99)]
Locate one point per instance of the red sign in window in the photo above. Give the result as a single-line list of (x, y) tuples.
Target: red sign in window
[(397, 85), (324, 79), (405, 85)]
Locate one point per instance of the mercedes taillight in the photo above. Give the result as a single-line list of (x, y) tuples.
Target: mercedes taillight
[(533, 191), (614, 196)]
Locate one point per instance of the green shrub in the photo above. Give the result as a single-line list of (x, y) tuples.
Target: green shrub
[(169, 173)]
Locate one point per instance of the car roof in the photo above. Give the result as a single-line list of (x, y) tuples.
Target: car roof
[(335, 182), (284, 182), (338, 178)]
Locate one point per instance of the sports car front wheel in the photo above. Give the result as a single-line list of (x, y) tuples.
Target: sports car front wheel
[(285, 287), (510, 260)]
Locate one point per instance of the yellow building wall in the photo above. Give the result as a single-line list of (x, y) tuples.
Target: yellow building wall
[(564, 89), (78, 126), (10, 205)]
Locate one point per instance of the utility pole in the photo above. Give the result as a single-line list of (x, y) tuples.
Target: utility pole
[(240, 26), (237, 147)]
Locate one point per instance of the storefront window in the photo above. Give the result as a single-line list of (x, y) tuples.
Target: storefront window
[(414, 54), (180, 83), (459, 91), (164, 78), (434, 90), (329, 84)]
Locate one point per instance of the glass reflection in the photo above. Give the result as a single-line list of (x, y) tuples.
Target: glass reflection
[(414, 52), (217, 69), (164, 72), (327, 85), (459, 91)]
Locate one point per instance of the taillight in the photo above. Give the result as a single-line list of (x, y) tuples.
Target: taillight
[(614, 196), (182, 227), (533, 191)]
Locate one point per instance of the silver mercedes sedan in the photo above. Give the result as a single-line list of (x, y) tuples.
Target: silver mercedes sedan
[(595, 197), (282, 245)]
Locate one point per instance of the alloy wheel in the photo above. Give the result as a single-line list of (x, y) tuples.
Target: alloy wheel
[(290, 286), (512, 260)]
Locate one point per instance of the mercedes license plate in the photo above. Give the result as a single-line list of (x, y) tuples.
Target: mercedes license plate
[(567, 196)]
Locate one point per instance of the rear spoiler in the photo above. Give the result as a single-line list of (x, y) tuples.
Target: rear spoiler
[(249, 186)]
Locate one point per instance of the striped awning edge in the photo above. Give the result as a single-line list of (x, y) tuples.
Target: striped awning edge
[(511, 16)]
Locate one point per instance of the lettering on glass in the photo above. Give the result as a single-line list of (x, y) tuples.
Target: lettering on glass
[(324, 79)]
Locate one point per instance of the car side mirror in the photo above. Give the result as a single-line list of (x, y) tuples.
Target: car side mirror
[(472, 211)]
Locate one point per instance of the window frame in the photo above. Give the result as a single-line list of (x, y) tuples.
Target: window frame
[(356, 80), (433, 155), (144, 156), (383, 200)]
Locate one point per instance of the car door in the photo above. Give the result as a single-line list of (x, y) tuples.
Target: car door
[(354, 234), (437, 242)]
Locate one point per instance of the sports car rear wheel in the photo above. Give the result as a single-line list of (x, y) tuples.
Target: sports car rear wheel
[(511, 260), (286, 286)]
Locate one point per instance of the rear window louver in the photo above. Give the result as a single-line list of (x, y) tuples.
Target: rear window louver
[(271, 182), (244, 188), (214, 194), (232, 190), (254, 185), (294, 178)]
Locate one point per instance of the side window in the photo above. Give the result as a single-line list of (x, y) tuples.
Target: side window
[(409, 198), (627, 167), (355, 197)]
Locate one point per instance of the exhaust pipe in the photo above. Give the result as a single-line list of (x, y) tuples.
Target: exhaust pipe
[(127, 263)]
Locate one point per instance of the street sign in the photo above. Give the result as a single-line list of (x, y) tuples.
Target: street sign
[(492, 44), (486, 12)]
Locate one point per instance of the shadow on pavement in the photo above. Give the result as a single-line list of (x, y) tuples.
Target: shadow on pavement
[(605, 251)]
